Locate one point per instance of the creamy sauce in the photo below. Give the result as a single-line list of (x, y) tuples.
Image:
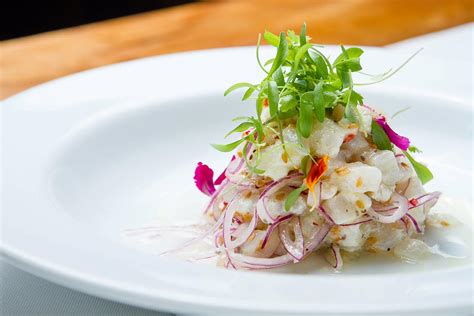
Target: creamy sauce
[(451, 244)]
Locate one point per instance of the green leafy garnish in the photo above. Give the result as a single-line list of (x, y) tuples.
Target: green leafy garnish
[(291, 199), (421, 170), (301, 85), (282, 52), (380, 138), (318, 102), (273, 97), (242, 127), (306, 165), (414, 149), (228, 147), (305, 120), (238, 86)]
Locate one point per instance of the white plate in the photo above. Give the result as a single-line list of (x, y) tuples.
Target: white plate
[(89, 155)]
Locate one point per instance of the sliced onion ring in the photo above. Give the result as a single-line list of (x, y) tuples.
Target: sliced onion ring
[(262, 209), (236, 165), (336, 252), (426, 198), (358, 222), (227, 227), (415, 223), (401, 204), (295, 248), (273, 226), (249, 262), (317, 238), (216, 194)]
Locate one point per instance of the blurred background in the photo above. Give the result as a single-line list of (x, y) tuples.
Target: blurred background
[(43, 40), (21, 18)]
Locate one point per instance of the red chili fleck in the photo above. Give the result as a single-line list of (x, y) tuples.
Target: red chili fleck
[(413, 202), (349, 137)]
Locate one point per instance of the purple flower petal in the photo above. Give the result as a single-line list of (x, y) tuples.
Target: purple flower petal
[(203, 178), (220, 178), (401, 142)]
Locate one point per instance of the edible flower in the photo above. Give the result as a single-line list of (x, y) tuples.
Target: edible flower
[(316, 172), (222, 176), (401, 142), (203, 178)]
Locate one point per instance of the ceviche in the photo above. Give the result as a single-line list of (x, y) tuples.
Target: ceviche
[(315, 169)]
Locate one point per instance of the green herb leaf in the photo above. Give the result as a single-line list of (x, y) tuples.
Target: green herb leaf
[(259, 128), (352, 64), (242, 127), (259, 103), (228, 147), (323, 66), (248, 93), (319, 105), (293, 196), (305, 165), (257, 53), (299, 54), (348, 53), (421, 170), (271, 38), (305, 120), (288, 114), (303, 35), (353, 98), (273, 97), (349, 59), (279, 77), (238, 86), (346, 78), (414, 149), (380, 138), (269, 62), (292, 37), (282, 52), (288, 102), (330, 98)]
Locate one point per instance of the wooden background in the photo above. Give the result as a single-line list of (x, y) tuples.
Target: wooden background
[(28, 61)]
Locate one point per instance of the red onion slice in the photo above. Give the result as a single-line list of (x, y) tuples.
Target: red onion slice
[(405, 223), (361, 221), (295, 248), (244, 234), (216, 194), (236, 165), (317, 238), (244, 261), (273, 226), (262, 209), (325, 214), (399, 201), (426, 198), (336, 251), (415, 223)]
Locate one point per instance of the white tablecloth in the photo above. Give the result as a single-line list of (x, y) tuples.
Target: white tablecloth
[(24, 294)]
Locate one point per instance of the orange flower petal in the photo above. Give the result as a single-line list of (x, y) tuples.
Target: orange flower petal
[(316, 172)]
